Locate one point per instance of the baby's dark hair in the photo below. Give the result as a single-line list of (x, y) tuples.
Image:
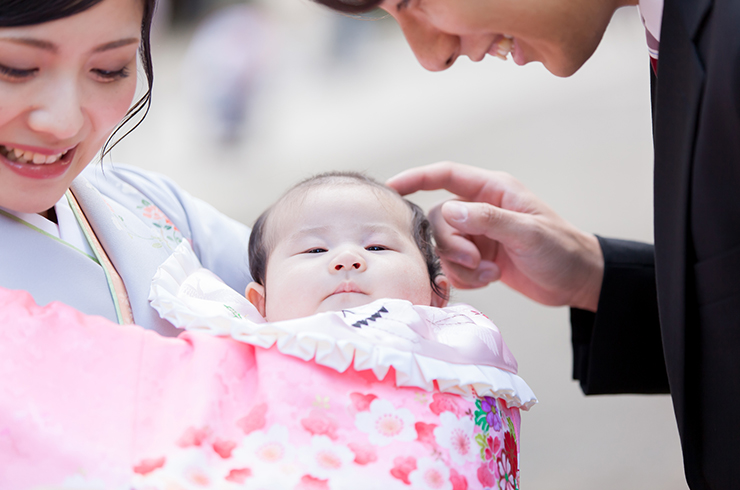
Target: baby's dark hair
[(421, 229)]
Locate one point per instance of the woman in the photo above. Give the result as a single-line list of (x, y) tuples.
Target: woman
[(88, 236), (83, 402), (507, 233)]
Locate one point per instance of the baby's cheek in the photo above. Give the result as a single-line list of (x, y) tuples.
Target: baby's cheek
[(416, 287)]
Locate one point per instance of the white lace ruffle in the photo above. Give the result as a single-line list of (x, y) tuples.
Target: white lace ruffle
[(423, 345)]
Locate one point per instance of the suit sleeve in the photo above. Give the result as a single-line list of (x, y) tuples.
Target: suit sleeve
[(618, 349)]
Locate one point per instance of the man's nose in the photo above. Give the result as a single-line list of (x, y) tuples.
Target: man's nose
[(435, 50), (348, 260), (58, 112)]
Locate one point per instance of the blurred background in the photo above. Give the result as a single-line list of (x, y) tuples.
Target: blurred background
[(252, 97)]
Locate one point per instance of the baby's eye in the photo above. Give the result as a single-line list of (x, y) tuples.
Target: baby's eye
[(376, 248), (317, 250)]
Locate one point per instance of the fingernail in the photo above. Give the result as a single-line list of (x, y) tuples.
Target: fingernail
[(456, 211), (486, 276)]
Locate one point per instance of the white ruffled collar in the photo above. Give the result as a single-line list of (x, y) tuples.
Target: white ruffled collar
[(457, 348)]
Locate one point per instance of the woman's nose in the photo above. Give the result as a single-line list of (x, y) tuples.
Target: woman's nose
[(434, 49), (58, 112), (348, 261)]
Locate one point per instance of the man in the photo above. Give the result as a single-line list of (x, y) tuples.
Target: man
[(673, 310)]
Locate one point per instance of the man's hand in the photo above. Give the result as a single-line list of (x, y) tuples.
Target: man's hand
[(499, 230)]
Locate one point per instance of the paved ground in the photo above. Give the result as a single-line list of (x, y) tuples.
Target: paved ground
[(583, 144)]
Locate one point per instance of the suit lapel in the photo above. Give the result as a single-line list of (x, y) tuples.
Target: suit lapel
[(677, 102)]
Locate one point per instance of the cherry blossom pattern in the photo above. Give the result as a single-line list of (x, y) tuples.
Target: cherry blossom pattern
[(269, 447), (325, 459), (490, 450), (187, 468), (162, 233), (166, 230), (268, 455), (430, 474), (457, 436), (384, 423)]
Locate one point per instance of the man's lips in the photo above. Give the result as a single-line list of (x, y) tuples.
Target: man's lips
[(501, 46)]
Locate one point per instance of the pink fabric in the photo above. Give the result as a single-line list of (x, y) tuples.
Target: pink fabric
[(85, 403)]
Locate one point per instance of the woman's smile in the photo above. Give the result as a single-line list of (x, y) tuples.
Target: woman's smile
[(36, 163)]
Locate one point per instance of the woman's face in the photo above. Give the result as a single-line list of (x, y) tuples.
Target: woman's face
[(64, 86), (561, 34)]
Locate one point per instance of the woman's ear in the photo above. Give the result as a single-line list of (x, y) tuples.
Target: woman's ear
[(444, 287), (255, 293)]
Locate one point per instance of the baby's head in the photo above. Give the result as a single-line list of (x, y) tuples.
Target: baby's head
[(337, 241)]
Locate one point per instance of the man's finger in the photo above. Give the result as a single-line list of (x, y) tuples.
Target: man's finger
[(473, 218), (465, 278), (451, 245), (468, 182)]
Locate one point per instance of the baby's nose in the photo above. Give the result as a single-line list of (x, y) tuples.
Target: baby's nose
[(354, 265), (348, 261)]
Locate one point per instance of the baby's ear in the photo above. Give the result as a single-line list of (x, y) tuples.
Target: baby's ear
[(255, 293), (444, 287)]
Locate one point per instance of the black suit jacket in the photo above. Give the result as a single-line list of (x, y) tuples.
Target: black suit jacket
[(692, 278)]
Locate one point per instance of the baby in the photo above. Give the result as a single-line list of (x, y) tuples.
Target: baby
[(337, 241), (359, 374)]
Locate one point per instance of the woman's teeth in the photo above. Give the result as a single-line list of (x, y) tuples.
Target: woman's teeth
[(504, 47), (22, 156)]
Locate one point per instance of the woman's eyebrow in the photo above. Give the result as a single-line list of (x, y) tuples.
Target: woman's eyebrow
[(34, 43), (116, 44), (51, 47)]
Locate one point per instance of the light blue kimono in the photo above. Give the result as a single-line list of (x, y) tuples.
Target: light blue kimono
[(139, 218)]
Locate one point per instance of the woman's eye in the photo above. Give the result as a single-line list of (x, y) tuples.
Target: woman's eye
[(376, 248), (315, 250), (16, 74), (111, 75)]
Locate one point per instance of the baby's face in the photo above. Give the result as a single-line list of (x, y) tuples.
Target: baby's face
[(342, 246)]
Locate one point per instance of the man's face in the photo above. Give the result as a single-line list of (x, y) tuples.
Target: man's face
[(561, 34), (342, 246)]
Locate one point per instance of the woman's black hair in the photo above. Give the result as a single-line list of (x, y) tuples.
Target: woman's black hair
[(351, 6), (421, 228), (15, 13)]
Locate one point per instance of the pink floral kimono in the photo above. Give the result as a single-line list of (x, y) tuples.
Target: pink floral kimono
[(388, 395)]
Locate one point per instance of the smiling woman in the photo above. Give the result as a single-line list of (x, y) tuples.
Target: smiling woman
[(72, 233), (65, 85)]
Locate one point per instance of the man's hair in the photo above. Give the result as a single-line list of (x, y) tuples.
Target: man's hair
[(421, 229), (351, 6)]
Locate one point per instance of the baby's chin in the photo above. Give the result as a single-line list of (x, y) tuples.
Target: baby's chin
[(344, 301)]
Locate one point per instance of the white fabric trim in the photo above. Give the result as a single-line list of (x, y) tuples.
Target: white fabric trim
[(38, 221), (191, 297), (67, 230)]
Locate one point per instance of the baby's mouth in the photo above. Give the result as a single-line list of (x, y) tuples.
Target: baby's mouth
[(346, 287), (23, 156)]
